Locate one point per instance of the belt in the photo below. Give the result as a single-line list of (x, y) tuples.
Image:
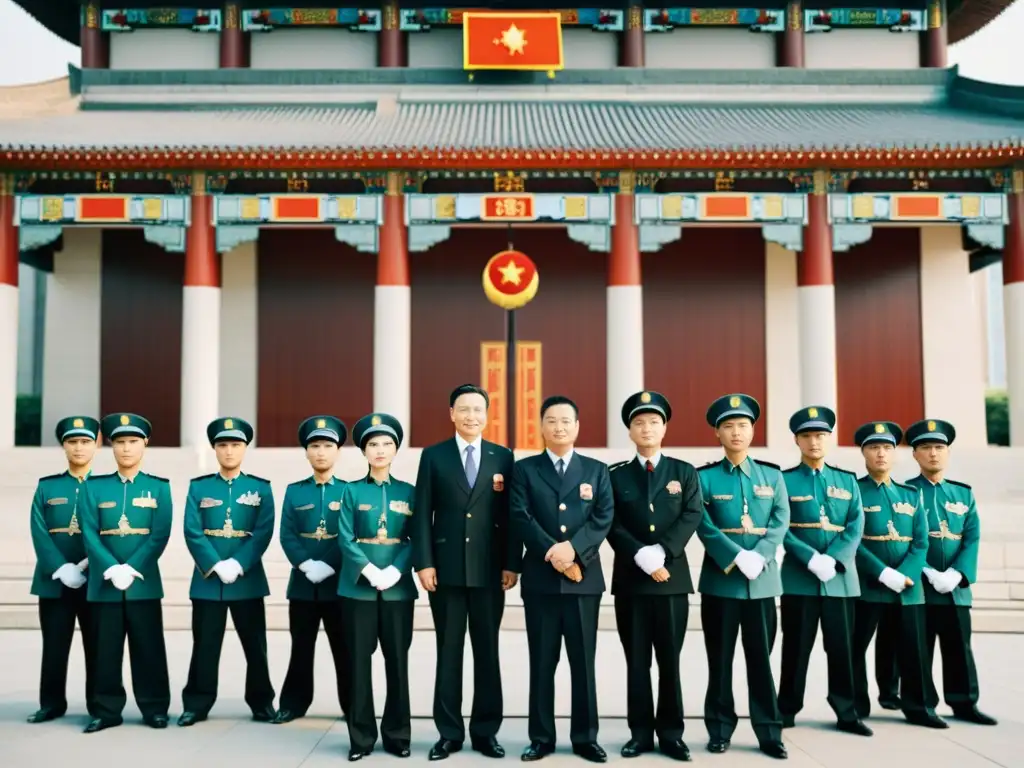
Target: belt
[(748, 527), (825, 525), (320, 534), (888, 537), (945, 533), (125, 532), (386, 542), (71, 530), (220, 533)]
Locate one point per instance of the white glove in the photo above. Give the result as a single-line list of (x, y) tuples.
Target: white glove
[(228, 570), (121, 576), (822, 566), (947, 581), (650, 558), (69, 575), (388, 578), (750, 563), (894, 580), (317, 570), (373, 574), (931, 574), (83, 565)]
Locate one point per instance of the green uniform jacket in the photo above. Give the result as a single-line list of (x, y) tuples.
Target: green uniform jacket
[(309, 531), (826, 517), (125, 522), (375, 527), (745, 507), (227, 519), (954, 532), (895, 536), (56, 531)]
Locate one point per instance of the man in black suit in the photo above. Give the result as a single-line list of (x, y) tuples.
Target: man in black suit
[(462, 555), (657, 510), (562, 509)]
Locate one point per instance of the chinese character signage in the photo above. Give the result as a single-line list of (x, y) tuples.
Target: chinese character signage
[(507, 208)]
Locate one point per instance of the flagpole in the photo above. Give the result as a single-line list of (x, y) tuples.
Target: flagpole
[(511, 390)]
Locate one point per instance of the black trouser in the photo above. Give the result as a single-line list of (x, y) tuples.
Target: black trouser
[(549, 618), (887, 669), (389, 622), (722, 619), (482, 608), (57, 621), (951, 624), (304, 617), (800, 618), (655, 623), (142, 623), (901, 626), (209, 620)]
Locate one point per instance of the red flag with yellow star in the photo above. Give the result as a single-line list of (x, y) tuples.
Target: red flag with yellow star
[(512, 41), (510, 279)]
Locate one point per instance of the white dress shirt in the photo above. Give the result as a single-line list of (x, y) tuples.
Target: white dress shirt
[(461, 442), (555, 458), (654, 460)]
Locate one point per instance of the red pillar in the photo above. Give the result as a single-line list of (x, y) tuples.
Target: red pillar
[(391, 51), (233, 53), (632, 52), (202, 264), (8, 233), (95, 54), (791, 42), (814, 263), (1013, 247), (935, 40), (393, 259)]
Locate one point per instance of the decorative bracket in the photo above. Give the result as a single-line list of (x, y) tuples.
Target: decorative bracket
[(30, 238), (355, 19), (654, 236), (171, 239), (362, 237), (845, 236), (721, 207), (789, 236), (597, 237), (130, 19), (992, 235), (228, 238), (756, 19), (423, 237), (893, 19), (508, 207)]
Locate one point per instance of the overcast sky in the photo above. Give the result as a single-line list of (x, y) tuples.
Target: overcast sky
[(29, 53)]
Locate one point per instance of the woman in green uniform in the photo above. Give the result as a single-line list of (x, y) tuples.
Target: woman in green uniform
[(377, 588)]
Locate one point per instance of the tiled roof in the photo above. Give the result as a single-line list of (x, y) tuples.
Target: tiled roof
[(520, 124)]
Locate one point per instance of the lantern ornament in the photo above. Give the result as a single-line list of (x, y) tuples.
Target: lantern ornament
[(510, 279)]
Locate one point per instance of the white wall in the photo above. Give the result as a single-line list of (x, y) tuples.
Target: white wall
[(164, 49), (710, 48), (239, 323), (862, 49), (954, 375), (71, 346), (782, 344), (30, 299), (313, 49)]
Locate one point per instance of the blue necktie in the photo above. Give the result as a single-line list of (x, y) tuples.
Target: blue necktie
[(470, 466)]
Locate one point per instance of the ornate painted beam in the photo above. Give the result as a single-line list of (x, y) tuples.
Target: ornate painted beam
[(756, 19), (129, 19), (504, 207), (893, 19), (599, 19), (354, 19)]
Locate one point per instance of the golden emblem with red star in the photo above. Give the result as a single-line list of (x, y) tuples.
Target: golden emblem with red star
[(510, 279)]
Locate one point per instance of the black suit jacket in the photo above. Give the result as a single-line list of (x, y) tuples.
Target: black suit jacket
[(463, 532), (648, 512), (547, 509)]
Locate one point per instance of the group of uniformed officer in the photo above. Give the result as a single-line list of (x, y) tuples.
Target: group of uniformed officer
[(866, 558)]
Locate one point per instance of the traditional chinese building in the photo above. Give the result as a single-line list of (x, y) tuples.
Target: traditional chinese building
[(272, 212)]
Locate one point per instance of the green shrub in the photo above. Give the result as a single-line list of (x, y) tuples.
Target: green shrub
[(28, 417), (997, 417)]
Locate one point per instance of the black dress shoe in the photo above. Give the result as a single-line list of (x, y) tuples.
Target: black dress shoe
[(591, 751), (789, 721), (856, 727), (890, 704), (156, 721), (718, 746), (774, 749), (284, 716), (101, 724), (358, 754), (972, 715), (45, 715), (190, 718), (488, 747), (676, 749), (536, 751), (926, 720), (442, 748), (635, 748), (266, 715), (398, 750)]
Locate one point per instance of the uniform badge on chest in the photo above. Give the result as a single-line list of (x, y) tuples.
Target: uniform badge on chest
[(764, 491), (838, 493), (956, 508)]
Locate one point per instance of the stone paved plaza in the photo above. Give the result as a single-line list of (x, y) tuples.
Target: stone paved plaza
[(231, 740)]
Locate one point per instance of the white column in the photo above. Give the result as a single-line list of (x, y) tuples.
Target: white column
[(953, 368), (392, 352), (72, 330), (8, 362), (239, 337), (200, 362), (1013, 308), (782, 345), (624, 347), (816, 310)]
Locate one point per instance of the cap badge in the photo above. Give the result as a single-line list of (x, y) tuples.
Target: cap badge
[(321, 423), (229, 424), (879, 429), (375, 421), (78, 423), (645, 397), (931, 426), (125, 421), (812, 412), (734, 402)]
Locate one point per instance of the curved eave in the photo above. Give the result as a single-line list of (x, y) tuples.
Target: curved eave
[(62, 17), (970, 16), (389, 158)]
